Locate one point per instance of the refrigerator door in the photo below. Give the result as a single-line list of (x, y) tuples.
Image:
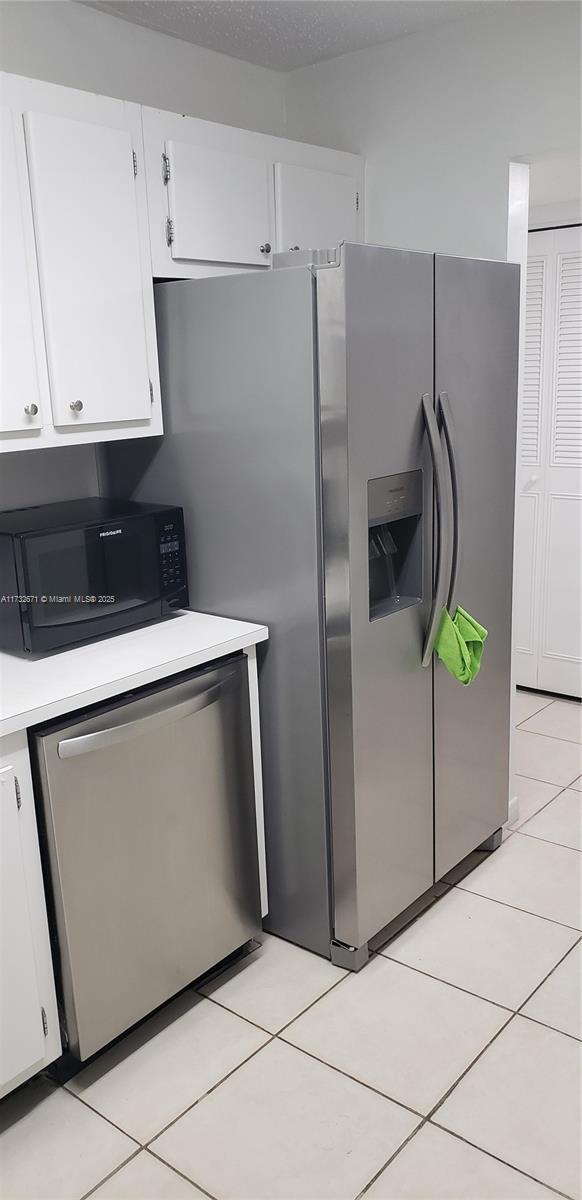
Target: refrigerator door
[(476, 355), (375, 335)]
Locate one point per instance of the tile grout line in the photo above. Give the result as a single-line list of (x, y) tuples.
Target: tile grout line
[(547, 841), (544, 805), (555, 736), (548, 704), (544, 1025), (147, 1145), (489, 1153), (82, 1100), (446, 1095), (111, 1174), (390, 1160), (528, 911), (233, 1013), (181, 1174), (446, 982), (451, 1133), (275, 1033), (343, 979), (549, 782), (545, 980), (346, 1075)]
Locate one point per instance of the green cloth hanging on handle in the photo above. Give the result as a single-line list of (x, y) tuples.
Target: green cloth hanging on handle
[(459, 644)]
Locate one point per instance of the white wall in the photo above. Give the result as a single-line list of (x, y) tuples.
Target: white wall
[(43, 476), (556, 189), (440, 114), (67, 43)]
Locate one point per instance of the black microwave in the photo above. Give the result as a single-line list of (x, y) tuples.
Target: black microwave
[(83, 568)]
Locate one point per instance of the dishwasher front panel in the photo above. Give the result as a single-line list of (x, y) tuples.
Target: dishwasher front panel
[(148, 812)]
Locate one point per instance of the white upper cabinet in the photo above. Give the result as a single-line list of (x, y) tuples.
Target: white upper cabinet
[(314, 209), (24, 399), (85, 218), (82, 177), (218, 205), (221, 199)]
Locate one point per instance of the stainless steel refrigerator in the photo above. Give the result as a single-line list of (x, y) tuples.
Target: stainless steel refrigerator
[(341, 436)]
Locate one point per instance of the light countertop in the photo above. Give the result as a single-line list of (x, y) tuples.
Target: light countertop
[(37, 689)]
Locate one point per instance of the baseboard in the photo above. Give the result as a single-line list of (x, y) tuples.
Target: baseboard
[(513, 813)]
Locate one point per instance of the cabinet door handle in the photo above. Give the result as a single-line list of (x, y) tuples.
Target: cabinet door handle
[(76, 406), (31, 410), (266, 248)]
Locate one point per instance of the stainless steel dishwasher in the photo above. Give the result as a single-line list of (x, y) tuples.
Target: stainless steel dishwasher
[(150, 839)]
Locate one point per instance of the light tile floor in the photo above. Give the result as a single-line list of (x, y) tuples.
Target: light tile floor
[(448, 1069)]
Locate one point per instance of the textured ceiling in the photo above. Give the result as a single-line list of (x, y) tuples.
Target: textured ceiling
[(285, 34)]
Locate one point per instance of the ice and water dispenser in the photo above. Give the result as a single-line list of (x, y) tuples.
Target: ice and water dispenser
[(394, 543)]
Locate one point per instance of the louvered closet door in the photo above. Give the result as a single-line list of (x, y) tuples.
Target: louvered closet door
[(548, 626)]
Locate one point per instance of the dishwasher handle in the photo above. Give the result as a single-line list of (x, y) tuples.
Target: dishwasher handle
[(100, 740)]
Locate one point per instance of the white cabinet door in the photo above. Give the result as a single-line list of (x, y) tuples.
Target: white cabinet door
[(560, 663), (85, 217), (314, 209), (23, 379), (215, 185), (218, 205), (548, 559), (529, 497), (21, 1027), (29, 1024)]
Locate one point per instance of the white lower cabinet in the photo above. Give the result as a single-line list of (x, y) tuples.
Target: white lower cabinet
[(77, 169), (29, 1025)]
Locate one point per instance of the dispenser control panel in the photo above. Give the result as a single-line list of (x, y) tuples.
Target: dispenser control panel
[(394, 496)]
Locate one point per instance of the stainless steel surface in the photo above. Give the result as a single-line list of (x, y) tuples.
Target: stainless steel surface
[(295, 257), (443, 525), (281, 460), (76, 406), (476, 331), (152, 850), (375, 320), (240, 449), (31, 410), (171, 712), (446, 417)]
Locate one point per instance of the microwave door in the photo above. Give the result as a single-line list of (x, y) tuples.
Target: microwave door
[(95, 574)]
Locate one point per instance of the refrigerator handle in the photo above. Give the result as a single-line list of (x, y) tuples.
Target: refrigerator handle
[(445, 413), (444, 527)]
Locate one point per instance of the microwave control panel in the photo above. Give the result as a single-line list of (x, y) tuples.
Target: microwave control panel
[(172, 556)]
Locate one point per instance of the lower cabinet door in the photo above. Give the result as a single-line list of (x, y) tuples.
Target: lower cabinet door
[(22, 1041)]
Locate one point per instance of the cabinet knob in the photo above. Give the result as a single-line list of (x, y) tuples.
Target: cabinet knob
[(31, 410), (76, 406), (266, 248)]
